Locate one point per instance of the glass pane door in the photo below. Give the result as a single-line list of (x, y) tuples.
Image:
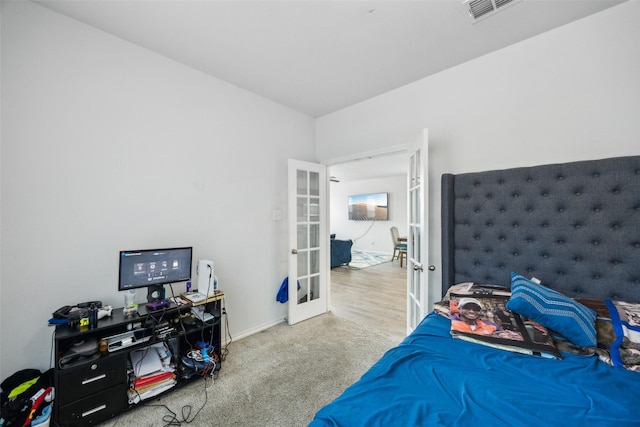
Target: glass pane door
[(308, 264)]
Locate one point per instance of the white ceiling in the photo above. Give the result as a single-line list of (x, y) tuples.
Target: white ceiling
[(318, 57)]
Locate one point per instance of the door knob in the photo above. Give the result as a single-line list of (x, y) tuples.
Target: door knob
[(294, 251)]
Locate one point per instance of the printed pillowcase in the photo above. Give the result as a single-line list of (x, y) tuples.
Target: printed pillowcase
[(554, 310)]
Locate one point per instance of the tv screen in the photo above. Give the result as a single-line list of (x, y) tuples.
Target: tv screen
[(364, 207), (154, 267)]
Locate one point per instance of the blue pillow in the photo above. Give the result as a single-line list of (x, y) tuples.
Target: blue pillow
[(554, 310)]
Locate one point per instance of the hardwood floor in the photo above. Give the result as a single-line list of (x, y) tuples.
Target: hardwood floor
[(373, 297)]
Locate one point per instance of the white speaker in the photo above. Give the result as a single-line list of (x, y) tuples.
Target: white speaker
[(205, 277)]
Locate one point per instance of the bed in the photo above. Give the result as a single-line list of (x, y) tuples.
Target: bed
[(576, 227)]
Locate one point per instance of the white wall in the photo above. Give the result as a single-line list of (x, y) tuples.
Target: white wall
[(569, 94), (368, 236), (107, 146)]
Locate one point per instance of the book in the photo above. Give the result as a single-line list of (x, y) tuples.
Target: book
[(468, 288), (478, 314), (138, 383)]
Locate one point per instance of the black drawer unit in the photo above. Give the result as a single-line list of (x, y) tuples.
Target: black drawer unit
[(92, 377), (95, 408)]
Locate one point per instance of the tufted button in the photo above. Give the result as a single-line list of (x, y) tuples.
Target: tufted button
[(595, 242), (529, 179), (616, 191), (515, 195), (577, 225), (596, 277), (489, 196), (545, 255), (596, 175), (577, 259), (502, 238), (615, 225), (544, 224), (560, 209), (515, 225), (529, 240), (476, 210), (560, 177), (596, 209), (516, 254), (476, 237), (560, 241), (489, 224)]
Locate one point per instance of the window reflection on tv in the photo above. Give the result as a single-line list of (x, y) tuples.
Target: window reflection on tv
[(368, 207)]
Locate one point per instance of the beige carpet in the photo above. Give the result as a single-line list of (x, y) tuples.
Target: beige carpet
[(278, 377)]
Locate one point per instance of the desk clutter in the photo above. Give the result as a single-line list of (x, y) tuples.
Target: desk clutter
[(158, 345)]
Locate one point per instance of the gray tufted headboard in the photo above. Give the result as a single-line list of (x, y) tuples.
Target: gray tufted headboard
[(575, 226)]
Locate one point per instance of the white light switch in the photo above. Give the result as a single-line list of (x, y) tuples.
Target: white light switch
[(277, 215)]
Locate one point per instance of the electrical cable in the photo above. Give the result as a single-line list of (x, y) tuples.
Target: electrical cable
[(225, 351), (172, 419), (209, 368), (365, 233)]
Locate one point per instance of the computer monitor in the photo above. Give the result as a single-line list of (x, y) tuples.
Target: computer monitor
[(152, 268)]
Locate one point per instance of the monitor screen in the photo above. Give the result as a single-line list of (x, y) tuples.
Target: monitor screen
[(151, 267)]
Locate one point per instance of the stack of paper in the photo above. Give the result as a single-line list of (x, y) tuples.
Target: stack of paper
[(152, 372)]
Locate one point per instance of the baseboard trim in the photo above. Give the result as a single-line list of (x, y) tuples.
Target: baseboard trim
[(260, 328)]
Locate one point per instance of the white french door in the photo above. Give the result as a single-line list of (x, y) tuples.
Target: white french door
[(417, 239), (308, 240)]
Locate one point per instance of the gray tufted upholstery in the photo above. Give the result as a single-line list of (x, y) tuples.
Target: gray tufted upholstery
[(575, 226)]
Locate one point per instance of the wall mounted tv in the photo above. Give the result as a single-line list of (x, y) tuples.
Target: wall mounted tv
[(368, 207)]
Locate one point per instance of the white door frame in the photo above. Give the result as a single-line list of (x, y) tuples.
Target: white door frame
[(407, 149), (417, 236)]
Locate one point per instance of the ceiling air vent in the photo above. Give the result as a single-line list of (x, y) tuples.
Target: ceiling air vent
[(483, 8)]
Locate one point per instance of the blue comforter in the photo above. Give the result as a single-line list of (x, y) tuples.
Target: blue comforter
[(431, 379)]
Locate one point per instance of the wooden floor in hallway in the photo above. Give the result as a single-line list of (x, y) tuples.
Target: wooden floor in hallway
[(375, 297)]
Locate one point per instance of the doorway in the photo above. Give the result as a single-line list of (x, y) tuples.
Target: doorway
[(373, 296)]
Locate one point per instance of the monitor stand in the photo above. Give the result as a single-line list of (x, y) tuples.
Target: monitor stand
[(155, 293)]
